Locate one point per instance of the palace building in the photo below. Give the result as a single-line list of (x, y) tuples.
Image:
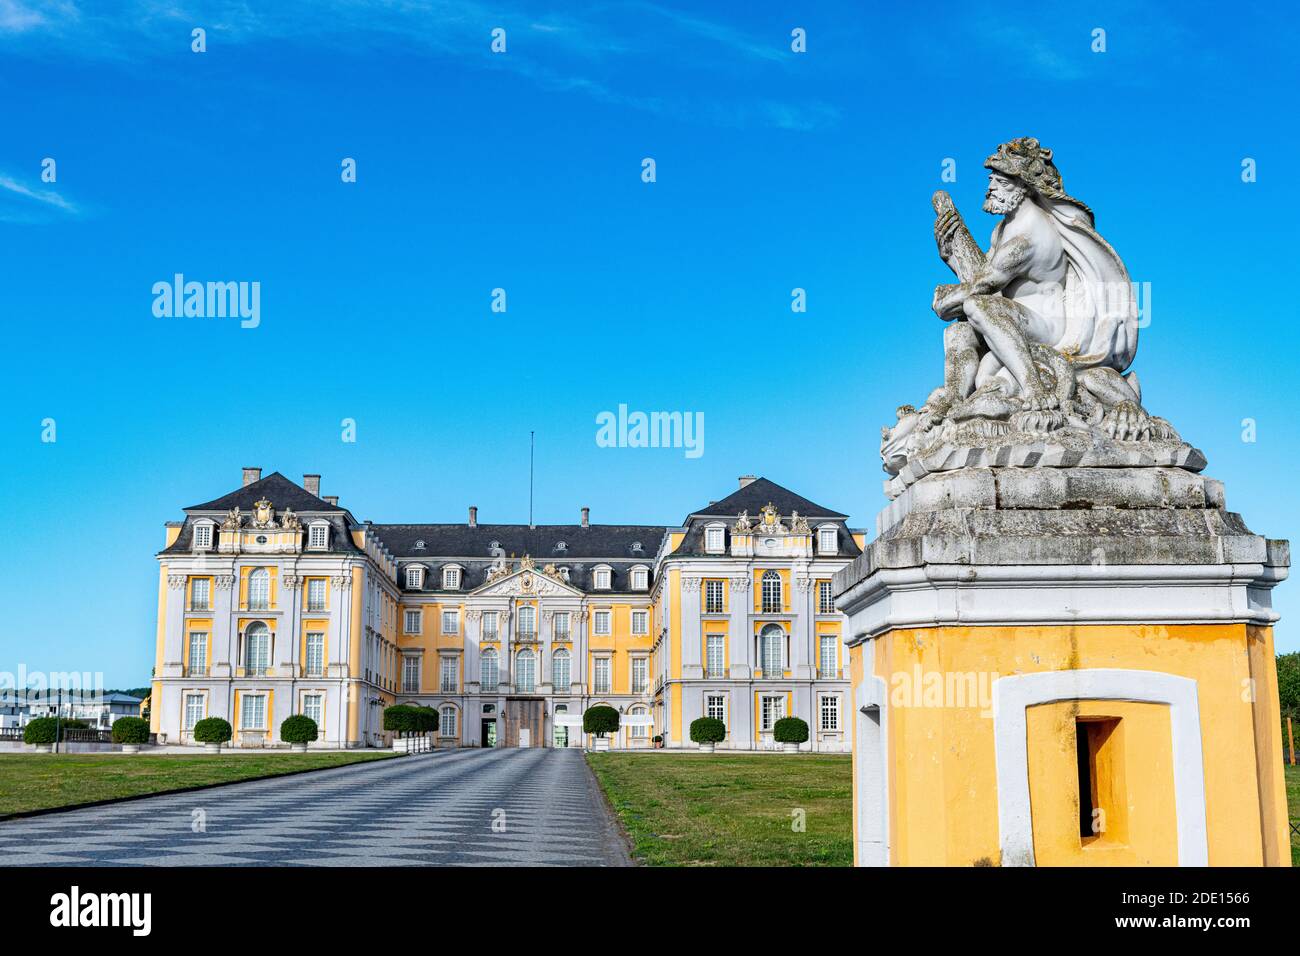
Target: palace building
[(274, 601)]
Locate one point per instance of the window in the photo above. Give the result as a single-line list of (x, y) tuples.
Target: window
[(525, 672), (447, 721), (257, 648), (413, 622), (527, 623), (601, 665), (828, 663), (770, 651), (1103, 803), (315, 653), (601, 579), (562, 626), (313, 706), (602, 622), (640, 670), (200, 594), (714, 663), (203, 535), (640, 728), (315, 594), (771, 592), (451, 622), (414, 578), (773, 709), (487, 668), (259, 589), (640, 622), (827, 542), (825, 601), (451, 579), (193, 710), (560, 672), (715, 706), (640, 579), (252, 712), (197, 662), (449, 670), (714, 539), (411, 674), (713, 597), (318, 536), (489, 625), (830, 713)]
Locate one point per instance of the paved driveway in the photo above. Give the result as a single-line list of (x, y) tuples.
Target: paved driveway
[(501, 807)]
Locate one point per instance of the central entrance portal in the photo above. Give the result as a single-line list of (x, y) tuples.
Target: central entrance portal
[(525, 722), (489, 738)]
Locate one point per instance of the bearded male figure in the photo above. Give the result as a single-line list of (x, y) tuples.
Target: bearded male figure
[(1046, 316)]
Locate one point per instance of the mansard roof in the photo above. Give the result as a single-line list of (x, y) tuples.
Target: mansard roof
[(757, 494), (612, 542), (275, 488)]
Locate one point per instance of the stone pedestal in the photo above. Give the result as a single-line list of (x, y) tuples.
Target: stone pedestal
[(1065, 666)]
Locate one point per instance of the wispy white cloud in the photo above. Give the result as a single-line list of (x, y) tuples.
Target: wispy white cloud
[(563, 52), (22, 203)]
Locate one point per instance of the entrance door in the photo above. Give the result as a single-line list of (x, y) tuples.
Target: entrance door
[(525, 737), (489, 737), (524, 722)]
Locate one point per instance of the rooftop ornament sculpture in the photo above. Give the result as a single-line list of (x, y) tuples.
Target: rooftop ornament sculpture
[(1041, 331)]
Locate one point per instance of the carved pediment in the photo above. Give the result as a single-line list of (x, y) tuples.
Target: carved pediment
[(524, 581)]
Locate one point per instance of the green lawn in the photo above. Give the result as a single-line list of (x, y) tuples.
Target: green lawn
[(719, 810), (42, 781), (1293, 808)]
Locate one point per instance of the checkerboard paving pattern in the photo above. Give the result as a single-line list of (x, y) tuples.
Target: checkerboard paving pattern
[(498, 807)]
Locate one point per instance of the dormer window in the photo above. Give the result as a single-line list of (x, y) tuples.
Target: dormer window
[(318, 536), (451, 578), (636, 547), (601, 578), (564, 573), (414, 578), (714, 539), (640, 579), (419, 545), (203, 536), (561, 547), (827, 540)]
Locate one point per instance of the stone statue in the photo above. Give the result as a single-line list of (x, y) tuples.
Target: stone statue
[(233, 519), (1042, 329), (743, 525), (289, 521)]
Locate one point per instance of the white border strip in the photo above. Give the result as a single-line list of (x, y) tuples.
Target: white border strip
[(871, 796), (1012, 695)]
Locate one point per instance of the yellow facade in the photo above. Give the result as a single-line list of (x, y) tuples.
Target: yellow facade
[(942, 784)]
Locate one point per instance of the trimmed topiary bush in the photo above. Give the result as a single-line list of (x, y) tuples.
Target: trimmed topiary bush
[(407, 719), (790, 730), (130, 730), (600, 720), (213, 730), (298, 729), (40, 731), (708, 730)]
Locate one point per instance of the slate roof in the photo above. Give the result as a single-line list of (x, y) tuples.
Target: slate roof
[(275, 488), (462, 541), (757, 494)]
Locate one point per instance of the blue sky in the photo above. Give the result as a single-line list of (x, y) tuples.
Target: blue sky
[(522, 171)]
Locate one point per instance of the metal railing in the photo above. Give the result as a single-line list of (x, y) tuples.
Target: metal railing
[(77, 735), (422, 744)]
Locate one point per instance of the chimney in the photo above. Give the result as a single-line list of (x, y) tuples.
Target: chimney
[(312, 484), (332, 500), (251, 475), (747, 480), (473, 517), (586, 517)]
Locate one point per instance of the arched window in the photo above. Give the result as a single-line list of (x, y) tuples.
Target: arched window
[(259, 589), (771, 592), (488, 671), (638, 729), (257, 648), (447, 721), (525, 672), (771, 656), (527, 622), (560, 672)]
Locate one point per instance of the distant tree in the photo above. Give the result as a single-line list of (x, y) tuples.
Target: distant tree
[(600, 720)]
